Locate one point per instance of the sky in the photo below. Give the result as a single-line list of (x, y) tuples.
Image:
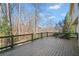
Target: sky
[(49, 13), (54, 12)]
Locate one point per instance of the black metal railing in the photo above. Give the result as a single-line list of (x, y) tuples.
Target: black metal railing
[(7, 42)]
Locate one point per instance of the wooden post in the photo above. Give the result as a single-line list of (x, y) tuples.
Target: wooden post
[(77, 36), (32, 37), (47, 34), (12, 41), (41, 35)]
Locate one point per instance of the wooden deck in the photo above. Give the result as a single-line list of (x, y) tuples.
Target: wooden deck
[(48, 46)]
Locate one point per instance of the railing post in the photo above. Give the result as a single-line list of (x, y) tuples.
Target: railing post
[(77, 36), (32, 37), (41, 35), (12, 42), (47, 34)]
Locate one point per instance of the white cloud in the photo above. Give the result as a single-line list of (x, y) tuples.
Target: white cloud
[(52, 17), (47, 15), (63, 14), (41, 14), (55, 7)]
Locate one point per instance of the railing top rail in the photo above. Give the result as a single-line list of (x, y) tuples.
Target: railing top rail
[(30, 34), (15, 35), (21, 35)]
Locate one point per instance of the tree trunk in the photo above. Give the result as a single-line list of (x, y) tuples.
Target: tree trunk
[(0, 15), (9, 17), (78, 25), (0, 22), (10, 24), (36, 16), (0, 10), (71, 8)]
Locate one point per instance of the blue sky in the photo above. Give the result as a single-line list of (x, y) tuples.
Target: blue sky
[(53, 12)]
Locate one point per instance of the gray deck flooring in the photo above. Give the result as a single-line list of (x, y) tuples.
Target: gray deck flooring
[(48, 46)]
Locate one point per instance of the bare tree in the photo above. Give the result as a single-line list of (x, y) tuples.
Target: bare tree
[(9, 17), (0, 15), (0, 10), (10, 22), (19, 19), (36, 15), (0, 22), (71, 8)]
